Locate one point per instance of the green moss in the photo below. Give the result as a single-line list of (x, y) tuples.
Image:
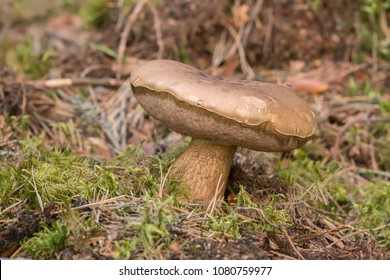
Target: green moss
[(324, 189), (45, 177), (225, 224), (314, 180), (274, 218), (79, 229), (69, 230), (21, 58), (151, 234), (246, 215), (48, 242), (244, 199), (60, 178), (374, 210), (382, 151), (95, 12), (369, 26)]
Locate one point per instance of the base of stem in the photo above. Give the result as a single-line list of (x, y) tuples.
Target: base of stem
[(204, 169)]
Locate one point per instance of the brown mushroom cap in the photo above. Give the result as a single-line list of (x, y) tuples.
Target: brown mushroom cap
[(252, 114)]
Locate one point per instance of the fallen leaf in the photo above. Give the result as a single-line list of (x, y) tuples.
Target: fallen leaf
[(101, 146), (240, 15), (232, 199), (312, 86)]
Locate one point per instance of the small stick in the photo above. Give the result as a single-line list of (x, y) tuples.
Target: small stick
[(292, 244), (348, 71), (125, 35), (356, 233), (5, 143), (35, 188), (12, 206), (241, 52), (255, 12), (282, 255), (68, 82), (213, 202), (157, 27), (163, 180)]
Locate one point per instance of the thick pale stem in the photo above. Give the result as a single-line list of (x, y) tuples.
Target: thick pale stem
[(204, 169)]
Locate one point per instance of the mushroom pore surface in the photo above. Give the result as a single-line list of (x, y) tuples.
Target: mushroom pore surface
[(201, 124)]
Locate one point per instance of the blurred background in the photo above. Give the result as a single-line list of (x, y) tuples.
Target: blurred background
[(64, 66)]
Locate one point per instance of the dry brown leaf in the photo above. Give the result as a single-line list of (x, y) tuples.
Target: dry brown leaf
[(312, 86), (240, 15)]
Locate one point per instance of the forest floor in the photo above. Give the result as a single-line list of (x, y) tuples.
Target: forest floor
[(84, 171)]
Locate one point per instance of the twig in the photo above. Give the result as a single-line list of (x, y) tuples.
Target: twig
[(213, 202), (268, 33), (102, 202), (241, 52), (12, 206), (260, 211), (255, 11), (324, 211), (291, 243), (374, 163), (123, 127), (376, 172), (33, 184), (125, 35), (324, 185), (348, 71), (374, 52), (157, 27), (163, 179), (17, 251), (356, 233), (6, 143), (280, 255), (69, 82), (221, 52)]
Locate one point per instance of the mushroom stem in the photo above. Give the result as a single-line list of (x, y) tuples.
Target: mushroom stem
[(204, 169)]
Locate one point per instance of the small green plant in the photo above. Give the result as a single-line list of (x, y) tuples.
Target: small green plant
[(271, 218), (244, 199), (366, 89), (324, 189), (315, 4), (183, 54), (316, 180), (48, 242), (382, 146), (369, 27), (235, 219), (20, 57), (45, 177), (374, 209), (274, 218), (95, 12), (18, 124), (228, 224), (79, 230), (124, 249), (107, 51), (152, 233)]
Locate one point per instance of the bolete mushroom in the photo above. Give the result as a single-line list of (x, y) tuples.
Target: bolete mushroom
[(219, 115)]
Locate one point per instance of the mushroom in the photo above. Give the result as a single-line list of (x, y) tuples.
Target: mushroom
[(219, 115)]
